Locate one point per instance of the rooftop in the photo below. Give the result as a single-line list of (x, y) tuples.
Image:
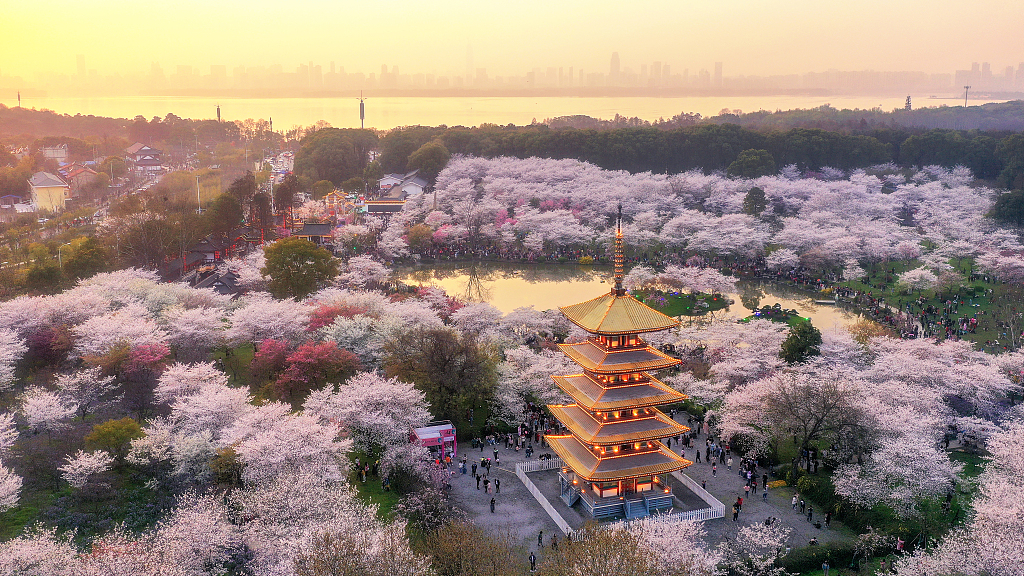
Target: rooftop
[(607, 432), (589, 466), (613, 314), (45, 180), (594, 396), (593, 358)]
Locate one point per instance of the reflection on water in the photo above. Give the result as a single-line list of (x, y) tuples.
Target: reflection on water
[(547, 286)]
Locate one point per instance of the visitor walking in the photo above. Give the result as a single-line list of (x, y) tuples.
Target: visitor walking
[(764, 494), (810, 513), (828, 519), (735, 513), (730, 462), (746, 490), (492, 505), (794, 501), (533, 562), (803, 506), (714, 469), (824, 567), (540, 539), (477, 481), (497, 485)]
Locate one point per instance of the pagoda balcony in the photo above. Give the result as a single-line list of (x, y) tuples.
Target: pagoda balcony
[(593, 358), (633, 426), (598, 396), (635, 501)]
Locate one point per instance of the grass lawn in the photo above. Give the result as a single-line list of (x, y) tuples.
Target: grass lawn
[(974, 464), (676, 304), (14, 521), (371, 491)]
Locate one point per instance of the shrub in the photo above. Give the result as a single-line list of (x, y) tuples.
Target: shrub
[(810, 558)]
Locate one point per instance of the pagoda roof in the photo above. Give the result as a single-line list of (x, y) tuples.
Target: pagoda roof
[(593, 467), (593, 431), (593, 395), (614, 313), (596, 359)]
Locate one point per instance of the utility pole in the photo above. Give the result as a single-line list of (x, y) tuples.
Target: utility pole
[(199, 202), (362, 111), (966, 90)]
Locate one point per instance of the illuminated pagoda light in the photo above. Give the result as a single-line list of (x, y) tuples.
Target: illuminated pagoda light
[(615, 462)]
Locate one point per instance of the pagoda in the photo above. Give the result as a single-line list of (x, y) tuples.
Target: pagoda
[(615, 463)]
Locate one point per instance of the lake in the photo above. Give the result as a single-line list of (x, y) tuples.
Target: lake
[(390, 111), (548, 286)]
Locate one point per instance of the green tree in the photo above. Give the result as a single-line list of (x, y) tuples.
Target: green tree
[(373, 173), (804, 341), (243, 188), (297, 267), (755, 202), (114, 436), (455, 371), (420, 237), (322, 188), (1009, 208), (284, 193), (1011, 151), (355, 184), (328, 154), (752, 164), (224, 214), (429, 159), (87, 258)]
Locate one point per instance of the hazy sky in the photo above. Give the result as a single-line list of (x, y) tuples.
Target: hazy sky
[(750, 36)]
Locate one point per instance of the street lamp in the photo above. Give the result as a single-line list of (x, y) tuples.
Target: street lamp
[(60, 260)]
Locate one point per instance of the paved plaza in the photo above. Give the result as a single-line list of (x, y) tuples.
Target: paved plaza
[(518, 512)]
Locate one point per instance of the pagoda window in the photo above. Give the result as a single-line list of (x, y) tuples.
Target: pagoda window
[(644, 484)]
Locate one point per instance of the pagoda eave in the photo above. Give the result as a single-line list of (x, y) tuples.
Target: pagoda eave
[(586, 465), (594, 359), (596, 432), (592, 395)]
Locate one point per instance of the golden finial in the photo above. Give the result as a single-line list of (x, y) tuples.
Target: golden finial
[(619, 258)]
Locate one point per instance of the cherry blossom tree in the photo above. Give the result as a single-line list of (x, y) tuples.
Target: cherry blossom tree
[(918, 279), (783, 259), (194, 332), (187, 379), (45, 410), (131, 325), (12, 348), (678, 546), (82, 466), (525, 376), (363, 271), (8, 433), (87, 387), (263, 318), (376, 411), (10, 489)]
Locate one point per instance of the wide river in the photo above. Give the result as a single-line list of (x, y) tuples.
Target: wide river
[(389, 112), (547, 286)]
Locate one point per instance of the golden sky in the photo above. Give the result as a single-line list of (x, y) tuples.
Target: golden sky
[(756, 37)]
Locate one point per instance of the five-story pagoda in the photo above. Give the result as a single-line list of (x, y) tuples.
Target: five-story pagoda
[(615, 462)]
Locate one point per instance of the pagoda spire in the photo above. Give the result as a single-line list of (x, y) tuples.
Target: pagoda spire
[(619, 257)]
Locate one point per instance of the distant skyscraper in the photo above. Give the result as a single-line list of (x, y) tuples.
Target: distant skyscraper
[(613, 71), (718, 74)]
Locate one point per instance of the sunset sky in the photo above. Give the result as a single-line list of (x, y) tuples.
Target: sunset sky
[(749, 36)]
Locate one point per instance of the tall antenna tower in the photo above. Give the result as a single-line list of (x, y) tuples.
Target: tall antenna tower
[(362, 110), (218, 113)]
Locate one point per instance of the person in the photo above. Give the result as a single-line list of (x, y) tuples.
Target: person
[(803, 506), (487, 485), (495, 452), (828, 519), (746, 490), (813, 542), (714, 469), (698, 456), (533, 562), (764, 494), (497, 461), (810, 513), (730, 462), (497, 485), (794, 501), (492, 505), (824, 567), (474, 468), (788, 549), (554, 542), (477, 481), (540, 539), (735, 512), (704, 484)]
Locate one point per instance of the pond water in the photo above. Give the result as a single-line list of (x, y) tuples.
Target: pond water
[(547, 286)]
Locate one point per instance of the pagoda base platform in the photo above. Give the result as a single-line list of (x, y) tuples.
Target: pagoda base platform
[(635, 505)]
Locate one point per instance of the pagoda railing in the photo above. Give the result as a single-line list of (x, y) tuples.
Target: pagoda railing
[(522, 468), (715, 508), (538, 465)]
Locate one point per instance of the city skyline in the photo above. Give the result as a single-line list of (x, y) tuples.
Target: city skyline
[(619, 74), (448, 38)]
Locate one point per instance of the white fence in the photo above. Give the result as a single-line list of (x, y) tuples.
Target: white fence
[(538, 465), (715, 507), (534, 466)]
